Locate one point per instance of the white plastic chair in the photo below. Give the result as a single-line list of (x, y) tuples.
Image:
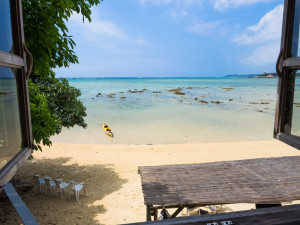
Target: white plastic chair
[(76, 188), (38, 181), (61, 186), (50, 184)]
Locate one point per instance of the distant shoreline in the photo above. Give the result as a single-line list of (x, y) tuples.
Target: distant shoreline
[(223, 77)]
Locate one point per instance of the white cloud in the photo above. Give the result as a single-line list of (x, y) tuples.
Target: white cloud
[(141, 41), (158, 2), (176, 9), (267, 29), (223, 5), (264, 54), (175, 13), (264, 36), (108, 35), (98, 27), (204, 28), (165, 2)]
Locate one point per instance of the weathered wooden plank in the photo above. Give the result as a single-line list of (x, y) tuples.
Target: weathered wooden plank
[(292, 62), (275, 215), (10, 60), (177, 212), (264, 181)]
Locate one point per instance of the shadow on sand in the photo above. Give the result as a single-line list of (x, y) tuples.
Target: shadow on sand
[(100, 180)]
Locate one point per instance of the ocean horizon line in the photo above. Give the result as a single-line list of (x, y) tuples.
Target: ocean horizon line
[(183, 77)]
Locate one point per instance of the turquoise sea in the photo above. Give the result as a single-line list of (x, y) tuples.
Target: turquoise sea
[(148, 111)]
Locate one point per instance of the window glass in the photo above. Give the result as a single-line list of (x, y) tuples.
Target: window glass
[(295, 40), (295, 128), (6, 40), (10, 129)]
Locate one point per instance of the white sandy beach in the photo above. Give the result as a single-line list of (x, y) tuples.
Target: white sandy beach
[(114, 193)]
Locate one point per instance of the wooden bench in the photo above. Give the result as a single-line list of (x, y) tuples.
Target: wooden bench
[(259, 181)]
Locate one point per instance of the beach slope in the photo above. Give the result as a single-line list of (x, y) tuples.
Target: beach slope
[(114, 193)]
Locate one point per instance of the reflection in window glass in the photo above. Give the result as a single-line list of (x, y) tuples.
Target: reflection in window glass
[(6, 40), (296, 107), (295, 40), (10, 129)]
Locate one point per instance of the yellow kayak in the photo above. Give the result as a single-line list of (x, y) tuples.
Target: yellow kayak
[(107, 130)]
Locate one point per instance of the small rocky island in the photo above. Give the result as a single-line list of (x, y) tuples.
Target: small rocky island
[(267, 75)]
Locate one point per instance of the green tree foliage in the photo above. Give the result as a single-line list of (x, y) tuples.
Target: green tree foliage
[(63, 102), (54, 103), (44, 122), (46, 33)]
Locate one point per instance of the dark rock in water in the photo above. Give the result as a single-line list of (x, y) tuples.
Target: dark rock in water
[(227, 89), (112, 95), (195, 99), (216, 102), (194, 87), (203, 102), (155, 92), (263, 100), (99, 93), (175, 90), (259, 111), (144, 89), (122, 97), (136, 91), (5, 93), (179, 93), (265, 103), (230, 99)]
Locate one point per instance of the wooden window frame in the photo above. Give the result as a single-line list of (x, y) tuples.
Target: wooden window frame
[(18, 61), (284, 67)]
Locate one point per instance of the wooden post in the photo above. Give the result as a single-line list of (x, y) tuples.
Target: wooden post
[(177, 211), (155, 213), (148, 214)]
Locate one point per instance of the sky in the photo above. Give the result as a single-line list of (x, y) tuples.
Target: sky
[(176, 38)]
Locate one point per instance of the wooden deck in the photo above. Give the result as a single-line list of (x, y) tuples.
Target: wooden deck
[(275, 215), (264, 181)]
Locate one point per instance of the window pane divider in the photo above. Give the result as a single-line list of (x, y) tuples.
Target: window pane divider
[(10, 60)]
